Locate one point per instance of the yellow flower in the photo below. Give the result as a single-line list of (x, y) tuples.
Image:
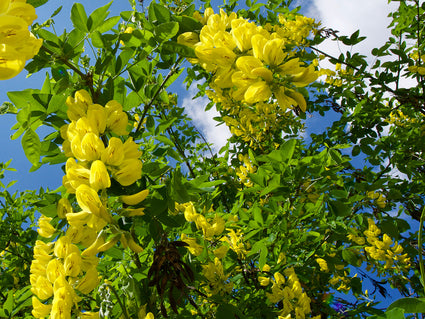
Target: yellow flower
[(78, 219), (88, 199), (99, 176), (62, 304), (96, 116), (54, 269), (257, 92), (116, 119), (40, 310), (20, 9), (273, 52), (72, 264), (93, 249), (135, 247), (129, 172), (213, 57), (221, 251), (77, 106), (42, 288), (45, 229), (193, 247), (131, 149), (10, 68), (264, 281), (323, 265), (135, 198), (188, 38), (63, 208), (91, 147), (114, 154), (89, 281), (17, 43), (76, 175), (190, 213)]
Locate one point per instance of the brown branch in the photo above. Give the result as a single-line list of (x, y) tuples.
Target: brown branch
[(71, 66)]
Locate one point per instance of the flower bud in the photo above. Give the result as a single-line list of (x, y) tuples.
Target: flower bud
[(135, 198)]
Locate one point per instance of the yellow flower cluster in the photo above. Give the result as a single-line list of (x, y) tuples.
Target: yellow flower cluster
[(289, 291), (17, 43), (56, 271), (67, 268), (217, 280), (252, 66), (250, 62), (420, 69), (399, 119), (243, 170), (209, 228), (342, 281), (382, 251)]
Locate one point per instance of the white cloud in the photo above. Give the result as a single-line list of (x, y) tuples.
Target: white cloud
[(204, 120), (347, 16)]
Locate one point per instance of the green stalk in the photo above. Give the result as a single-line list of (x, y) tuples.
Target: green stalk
[(124, 311), (421, 263)]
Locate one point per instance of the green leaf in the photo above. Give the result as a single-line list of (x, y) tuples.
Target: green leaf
[(350, 257), (180, 49), (54, 14), (8, 305), (37, 3), (150, 123), (177, 188), (409, 305), (339, 208), (96, 39), (32, 146), (79, 17), (395, 313), (165, 140), (158, 13), (166, 31), (355, 151), (97, 17), (108, 24)]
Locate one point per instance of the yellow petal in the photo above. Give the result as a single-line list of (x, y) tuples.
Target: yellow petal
[(135, 198)]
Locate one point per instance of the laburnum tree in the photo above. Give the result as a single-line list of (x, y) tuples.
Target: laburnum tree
[(150, 222)]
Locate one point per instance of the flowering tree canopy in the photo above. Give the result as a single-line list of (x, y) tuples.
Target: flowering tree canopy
[(152, 222)]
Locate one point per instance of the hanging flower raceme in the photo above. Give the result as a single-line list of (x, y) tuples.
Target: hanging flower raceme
[(17, 44), (252, 66), (66, 269), (256, 64)]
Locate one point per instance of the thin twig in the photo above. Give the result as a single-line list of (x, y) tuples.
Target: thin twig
[(148, 106)]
